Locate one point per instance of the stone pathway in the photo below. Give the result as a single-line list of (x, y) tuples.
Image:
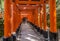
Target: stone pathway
[(28, 34)]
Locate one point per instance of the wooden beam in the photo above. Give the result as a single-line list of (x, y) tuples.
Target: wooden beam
[(26, 7), (28, 2)]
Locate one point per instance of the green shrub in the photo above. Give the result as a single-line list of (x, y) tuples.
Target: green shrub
[(1, 27), (58, 21)]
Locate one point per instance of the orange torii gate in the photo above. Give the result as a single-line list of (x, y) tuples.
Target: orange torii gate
[(12, 16)]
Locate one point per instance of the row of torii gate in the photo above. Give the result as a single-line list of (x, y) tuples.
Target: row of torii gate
[(12, 16)]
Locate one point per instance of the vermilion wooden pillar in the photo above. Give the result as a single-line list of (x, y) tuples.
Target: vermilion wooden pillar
[(12, 17), (13, 7), (7, 15), (33, 16), (53, 27), (45, 32), (36, 16), (7, 20), (18, 18), (40, 17), (15, 17), (44, 15)]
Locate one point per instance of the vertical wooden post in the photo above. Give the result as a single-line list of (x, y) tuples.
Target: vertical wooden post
[(7, 21), (13, 7), (13, 12), (45, 32), (40, 17), (15, 17), (36, 16), (53, 27), (33, 16), (44, 15), (12, 18), (7, 26), (41, 13)]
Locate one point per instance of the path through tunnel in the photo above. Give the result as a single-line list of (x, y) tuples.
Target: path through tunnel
[(33, 13)]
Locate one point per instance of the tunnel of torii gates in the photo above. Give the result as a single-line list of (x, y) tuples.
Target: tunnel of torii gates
[(15, 10)]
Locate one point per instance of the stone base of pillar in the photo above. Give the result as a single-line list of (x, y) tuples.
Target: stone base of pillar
[(53, 36), (14, 37), (45, 34), (8, 39), (38, 29), (41, 31), (18, 29)]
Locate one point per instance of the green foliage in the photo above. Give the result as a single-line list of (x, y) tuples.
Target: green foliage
[(58, 21), (48, 20), (1, 27)]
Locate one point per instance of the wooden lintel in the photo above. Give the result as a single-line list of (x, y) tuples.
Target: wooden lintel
[(30, 2), (26, 7)]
